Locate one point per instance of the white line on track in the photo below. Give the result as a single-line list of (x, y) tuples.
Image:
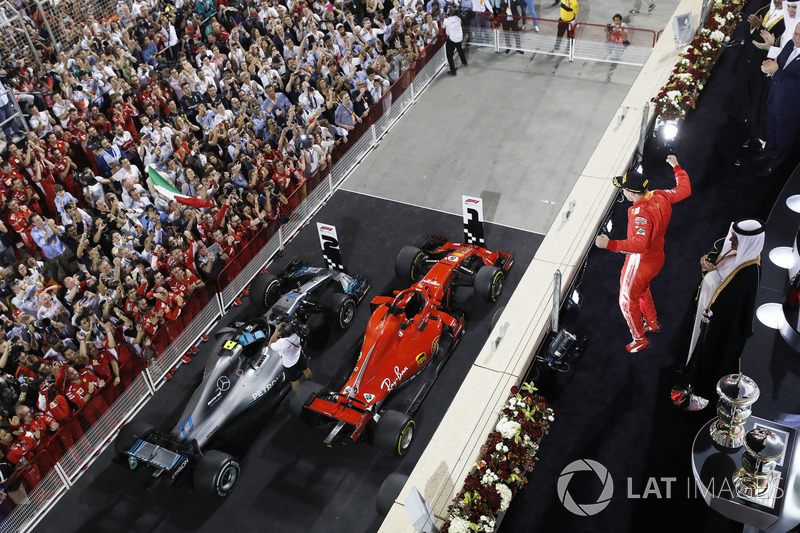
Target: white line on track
[(437, 210)]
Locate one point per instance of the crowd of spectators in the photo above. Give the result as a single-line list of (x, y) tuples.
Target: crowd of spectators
[(234, 102)]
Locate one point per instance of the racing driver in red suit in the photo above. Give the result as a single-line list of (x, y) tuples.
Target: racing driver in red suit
[(648, 219)]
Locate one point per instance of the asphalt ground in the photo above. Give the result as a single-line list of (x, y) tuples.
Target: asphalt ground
[(291, 481)]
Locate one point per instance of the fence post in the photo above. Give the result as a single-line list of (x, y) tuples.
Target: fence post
[(643, 129), (149, 381), (46, 23), (62, 475), (372, 129), (13, 100), (556, 301)]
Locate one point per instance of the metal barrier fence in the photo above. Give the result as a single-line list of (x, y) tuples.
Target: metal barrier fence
[(53, 470), (579, 41), (592, 42)]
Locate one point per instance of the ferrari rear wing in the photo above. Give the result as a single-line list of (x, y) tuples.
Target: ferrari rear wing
[(344, 414)]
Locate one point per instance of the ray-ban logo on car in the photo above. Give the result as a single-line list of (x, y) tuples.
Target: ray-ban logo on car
[(223, 384)]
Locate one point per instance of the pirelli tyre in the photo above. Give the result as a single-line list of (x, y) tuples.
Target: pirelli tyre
[(394, 432), (129, 434), (409, 262), (341, 308), (264, 291), (489, 282), (300, 395), (216, 473)]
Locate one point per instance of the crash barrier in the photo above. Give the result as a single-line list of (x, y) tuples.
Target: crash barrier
[(580, 40), (57, 466), (591, 43)]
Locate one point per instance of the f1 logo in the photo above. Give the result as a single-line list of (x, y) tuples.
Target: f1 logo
[(473, 220), (329, 242)]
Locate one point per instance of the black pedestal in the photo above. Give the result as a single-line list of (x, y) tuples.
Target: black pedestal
[(714, 467)]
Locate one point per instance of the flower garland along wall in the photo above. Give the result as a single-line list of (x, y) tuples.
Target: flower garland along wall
[(506, 459), (679, 95)]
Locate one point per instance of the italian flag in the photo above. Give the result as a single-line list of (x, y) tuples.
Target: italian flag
[(166, 189)]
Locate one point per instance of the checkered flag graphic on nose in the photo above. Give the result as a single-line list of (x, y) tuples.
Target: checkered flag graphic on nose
[(334, 264)]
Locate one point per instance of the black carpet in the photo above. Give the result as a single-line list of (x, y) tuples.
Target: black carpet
[(292, 482), (614, 407)]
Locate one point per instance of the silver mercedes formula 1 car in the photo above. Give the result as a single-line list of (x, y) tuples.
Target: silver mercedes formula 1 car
[(243, 380)]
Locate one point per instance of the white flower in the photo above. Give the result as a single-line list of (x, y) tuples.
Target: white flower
[(717, 35), (505, 495), (507, 428), (488, 478), (486, 523), (674, 95), (459, 525), (720, 20)]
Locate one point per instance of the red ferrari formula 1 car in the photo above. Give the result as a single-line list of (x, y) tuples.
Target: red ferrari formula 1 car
[(410, 335)]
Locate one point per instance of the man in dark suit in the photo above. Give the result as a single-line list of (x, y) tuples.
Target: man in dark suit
[(783, 122)]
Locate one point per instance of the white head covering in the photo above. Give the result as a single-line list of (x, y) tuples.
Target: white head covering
[(750, 235), (789, 22), (773, 15)]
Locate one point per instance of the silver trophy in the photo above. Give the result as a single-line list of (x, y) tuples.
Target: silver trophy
[(737, 393), (762, 449)]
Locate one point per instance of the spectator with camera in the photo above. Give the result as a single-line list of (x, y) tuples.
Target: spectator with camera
[(616, 38)]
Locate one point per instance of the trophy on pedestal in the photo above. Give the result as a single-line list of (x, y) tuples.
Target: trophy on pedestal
[(762, 449), (737, 393)]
